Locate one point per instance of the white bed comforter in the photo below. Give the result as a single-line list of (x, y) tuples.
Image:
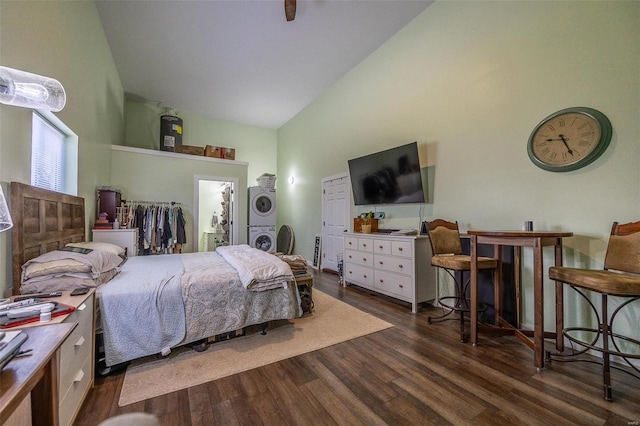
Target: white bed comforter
[(158, 302), (258, 270)]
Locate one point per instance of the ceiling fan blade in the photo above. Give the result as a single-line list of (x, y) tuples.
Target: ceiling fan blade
[(290, 9)]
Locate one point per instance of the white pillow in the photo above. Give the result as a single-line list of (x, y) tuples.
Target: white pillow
[(100, 246)]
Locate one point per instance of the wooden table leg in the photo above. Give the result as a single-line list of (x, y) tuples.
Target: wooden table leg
[(45, 397), (559, 300), (517, 266), (473, 315), (497, 285), (538, 308)]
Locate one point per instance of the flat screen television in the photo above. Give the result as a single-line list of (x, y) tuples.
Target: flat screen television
[(387, 177)]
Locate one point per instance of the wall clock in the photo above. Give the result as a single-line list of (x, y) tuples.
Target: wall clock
[(569, 139)]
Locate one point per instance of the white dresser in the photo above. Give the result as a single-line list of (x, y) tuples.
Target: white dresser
[(397, 266), (127, 238)]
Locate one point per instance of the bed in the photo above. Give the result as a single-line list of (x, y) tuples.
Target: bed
[(152, 303)]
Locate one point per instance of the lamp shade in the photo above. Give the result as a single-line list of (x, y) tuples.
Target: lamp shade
[(24, 89), (5, 216)]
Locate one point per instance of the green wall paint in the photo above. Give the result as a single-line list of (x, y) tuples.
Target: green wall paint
[(469, 81), (146, 175), (63, 40), (255, 145)]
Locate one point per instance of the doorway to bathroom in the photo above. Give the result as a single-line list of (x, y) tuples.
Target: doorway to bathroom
[(215, 215)]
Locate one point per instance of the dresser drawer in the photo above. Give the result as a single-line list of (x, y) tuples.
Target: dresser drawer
[(351, 243), (401, 248), (359, 275), (71, 401), (358, 257), (83, 314), (73, 354), (382, 246), (396, 284), (76, 361), (365, 244), (400, 265)]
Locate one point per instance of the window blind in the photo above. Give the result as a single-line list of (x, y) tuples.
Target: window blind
[(48, 155)]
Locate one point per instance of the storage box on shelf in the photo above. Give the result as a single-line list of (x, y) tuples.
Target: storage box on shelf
[(396, 266), (189, 149), (220, 152), (76, 354)]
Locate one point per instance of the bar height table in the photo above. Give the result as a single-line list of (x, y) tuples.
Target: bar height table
[(537, 240)]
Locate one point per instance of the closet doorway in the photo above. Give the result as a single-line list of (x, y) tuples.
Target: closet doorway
[(215, 215)]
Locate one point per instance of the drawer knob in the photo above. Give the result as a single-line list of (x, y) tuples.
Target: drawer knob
[(401, 286), (400, 266), (82, 307), (364, 259), (364, 245), (380, 247), (399, 248), (364, 276), (80, 341), (349, 256), (381, 281), (381, 262), (79, 376)]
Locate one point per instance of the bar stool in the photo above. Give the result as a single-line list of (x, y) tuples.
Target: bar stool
[(446, 249), (621, 261)]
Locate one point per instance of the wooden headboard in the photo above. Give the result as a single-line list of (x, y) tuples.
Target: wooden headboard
[(43, 221)]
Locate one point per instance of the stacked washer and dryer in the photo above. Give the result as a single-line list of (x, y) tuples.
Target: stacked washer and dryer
[(262, 218)]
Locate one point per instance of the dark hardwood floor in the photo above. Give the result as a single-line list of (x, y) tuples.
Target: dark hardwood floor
[(411, 374)]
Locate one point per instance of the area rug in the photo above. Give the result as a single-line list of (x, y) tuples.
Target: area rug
[(331, 322)]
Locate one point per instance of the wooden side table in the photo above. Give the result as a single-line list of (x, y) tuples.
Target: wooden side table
[(537, 240), (36, 373)]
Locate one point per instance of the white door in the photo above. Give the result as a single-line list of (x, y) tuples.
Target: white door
[(336, 200)]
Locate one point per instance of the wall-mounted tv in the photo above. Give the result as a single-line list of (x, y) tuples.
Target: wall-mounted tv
[(387, 177)]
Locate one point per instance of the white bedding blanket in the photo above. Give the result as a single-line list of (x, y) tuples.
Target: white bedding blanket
[(258, 270), (141, 308)]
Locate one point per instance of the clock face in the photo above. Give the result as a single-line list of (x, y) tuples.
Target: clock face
[(569, 139)]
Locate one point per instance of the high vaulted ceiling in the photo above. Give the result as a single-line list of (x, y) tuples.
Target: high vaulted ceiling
[(241, 60)]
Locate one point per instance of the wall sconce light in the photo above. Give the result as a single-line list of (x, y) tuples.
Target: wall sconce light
[(291, 180), (24, 89), (5, 218)]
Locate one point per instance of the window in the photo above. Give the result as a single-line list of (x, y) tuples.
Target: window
[(54, 154)]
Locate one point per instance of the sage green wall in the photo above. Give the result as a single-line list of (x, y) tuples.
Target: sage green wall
[(469, 81), (255, 145), (160, 176), (63, 40)]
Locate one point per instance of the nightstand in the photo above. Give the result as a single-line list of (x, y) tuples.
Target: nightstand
[(76, 354)]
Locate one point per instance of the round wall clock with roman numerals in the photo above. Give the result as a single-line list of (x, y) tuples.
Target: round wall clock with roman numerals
[(569, 139)]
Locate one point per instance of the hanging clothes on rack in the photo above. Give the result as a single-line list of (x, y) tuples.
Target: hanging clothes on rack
[(161, 226)]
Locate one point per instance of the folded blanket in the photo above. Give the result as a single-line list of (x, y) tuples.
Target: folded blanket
[(58, 262), (258, 270)]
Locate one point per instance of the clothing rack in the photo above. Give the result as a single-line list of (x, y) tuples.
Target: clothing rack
[(160, 225), (172, 203)]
